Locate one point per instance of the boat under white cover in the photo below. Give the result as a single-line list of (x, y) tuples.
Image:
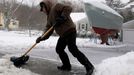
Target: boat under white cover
[(102, 16)]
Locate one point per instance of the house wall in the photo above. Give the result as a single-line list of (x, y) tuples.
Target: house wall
[(128, 39), (83, 27), (128, 36), (14, 24), (1, 21)]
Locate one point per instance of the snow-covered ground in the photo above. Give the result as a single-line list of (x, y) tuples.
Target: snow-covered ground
[(15, 42), (7, 68)]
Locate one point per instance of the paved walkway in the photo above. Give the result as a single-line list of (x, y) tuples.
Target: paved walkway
[(48, 67)]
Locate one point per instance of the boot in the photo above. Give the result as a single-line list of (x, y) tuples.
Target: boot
[(89, 69), (64, 68), (66, 63), (107, 43)]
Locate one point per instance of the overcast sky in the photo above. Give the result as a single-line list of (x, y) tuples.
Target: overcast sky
[(124, 1), (30, 2)]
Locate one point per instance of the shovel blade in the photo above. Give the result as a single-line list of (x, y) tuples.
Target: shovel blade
[(19, 61)]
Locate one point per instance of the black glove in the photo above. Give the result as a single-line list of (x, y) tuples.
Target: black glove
[(60, 20), (40, 39)]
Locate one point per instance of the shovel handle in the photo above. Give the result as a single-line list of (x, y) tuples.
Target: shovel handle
[(30, 49), (36, 43)]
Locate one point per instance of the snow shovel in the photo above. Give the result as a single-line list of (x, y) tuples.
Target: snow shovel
[(19, 61)]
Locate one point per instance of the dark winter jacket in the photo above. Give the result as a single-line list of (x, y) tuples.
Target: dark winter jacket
[(56, 11)]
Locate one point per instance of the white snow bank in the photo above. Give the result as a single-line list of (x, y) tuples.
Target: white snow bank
[(7, 68), (21, 40), (122, 65)]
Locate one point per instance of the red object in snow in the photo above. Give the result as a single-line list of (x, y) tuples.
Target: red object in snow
[(102, 31)]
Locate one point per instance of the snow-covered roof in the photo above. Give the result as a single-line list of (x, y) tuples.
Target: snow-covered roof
[(129, 24), (77, 16)]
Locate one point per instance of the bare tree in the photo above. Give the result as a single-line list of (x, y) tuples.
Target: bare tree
[(114, 4), (8, 10), (29, 18)]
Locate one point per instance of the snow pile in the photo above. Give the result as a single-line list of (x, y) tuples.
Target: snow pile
[(7, 68), (122, 65), (20, 41)]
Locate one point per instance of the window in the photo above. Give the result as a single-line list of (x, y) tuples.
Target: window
[(14, 23), (83, 26)]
